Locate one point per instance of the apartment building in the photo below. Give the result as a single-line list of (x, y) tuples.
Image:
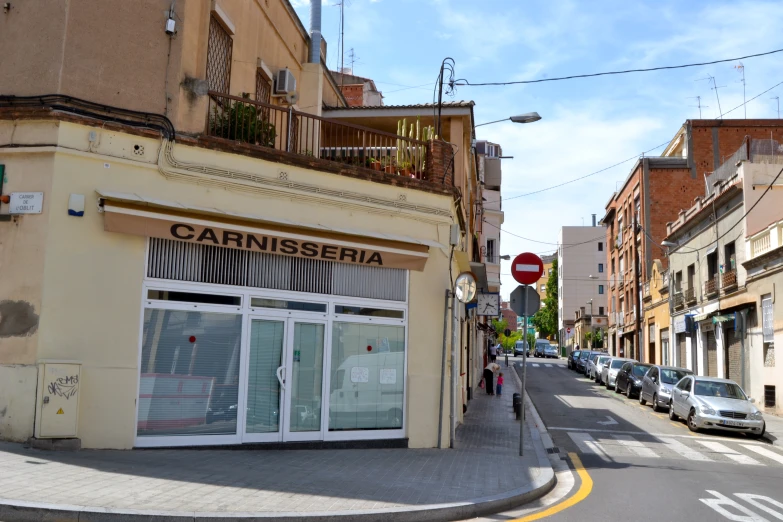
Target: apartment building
[(202, 245), (723, 269), (653, 194), (582, 277)]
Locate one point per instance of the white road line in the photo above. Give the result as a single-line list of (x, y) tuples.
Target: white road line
[(588, 445), (764, 452), (683, 450), (717, 447), (635, 446), (601, 430), (536, 365), (548, 365)]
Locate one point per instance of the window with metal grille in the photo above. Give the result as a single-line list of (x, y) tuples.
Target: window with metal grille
[(219, 47), (263, 86), (181, 261), (767, 319), (769, 396)]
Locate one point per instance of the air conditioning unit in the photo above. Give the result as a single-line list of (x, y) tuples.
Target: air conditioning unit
[(285, 83)]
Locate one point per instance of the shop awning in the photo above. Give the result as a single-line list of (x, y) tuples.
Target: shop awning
[(723, 318), (702, 317), (138, 215), (480, 271)]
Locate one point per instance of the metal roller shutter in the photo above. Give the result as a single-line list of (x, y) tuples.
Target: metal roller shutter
[(733, 356), (711, 345), (681, 361)]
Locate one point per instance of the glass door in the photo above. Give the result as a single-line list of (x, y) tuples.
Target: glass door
[(304, 380), (265, 380)]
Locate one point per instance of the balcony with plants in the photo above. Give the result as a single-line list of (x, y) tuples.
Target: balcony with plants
[(322, 141)]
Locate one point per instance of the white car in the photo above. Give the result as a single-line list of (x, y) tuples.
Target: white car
[(596, 366), (713, 403), (609, 372)]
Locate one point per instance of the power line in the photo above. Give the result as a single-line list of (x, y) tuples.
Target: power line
[(750, 100), (608, 73), (565, 245)]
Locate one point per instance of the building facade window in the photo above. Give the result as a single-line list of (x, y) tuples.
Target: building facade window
[(600, 310), (600, 289), (767, 329), (600, 246), (219, 49), (491, 254), (600, 268)]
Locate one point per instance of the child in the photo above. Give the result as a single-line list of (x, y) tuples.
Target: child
[(500, 383)]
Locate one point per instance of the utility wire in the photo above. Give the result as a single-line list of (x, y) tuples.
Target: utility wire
[(608, 73), (750, 100), (546, 242)]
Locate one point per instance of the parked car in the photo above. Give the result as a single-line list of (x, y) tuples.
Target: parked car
[(520, 347), (596, 365), (551, 352), (572, 357), (541, 345), (658, 383), (710, 402), (609, 372), (629, 378), (580, 363), (590, 362)]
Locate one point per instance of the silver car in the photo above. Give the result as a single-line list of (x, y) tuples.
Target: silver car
[(657, 385), (709, 402), (596, 365), (609, 372)]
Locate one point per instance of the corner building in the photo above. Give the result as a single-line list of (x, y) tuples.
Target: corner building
[(180, 279)]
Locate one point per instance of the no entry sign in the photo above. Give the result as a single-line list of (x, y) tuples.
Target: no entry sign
[(527, 268)]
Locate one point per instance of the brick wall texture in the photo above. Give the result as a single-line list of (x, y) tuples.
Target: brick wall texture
[(354, 95)]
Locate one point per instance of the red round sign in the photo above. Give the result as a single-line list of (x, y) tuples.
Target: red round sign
[(527, 268)]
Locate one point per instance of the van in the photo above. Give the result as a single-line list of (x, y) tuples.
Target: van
[(520, 348), (541, 346)]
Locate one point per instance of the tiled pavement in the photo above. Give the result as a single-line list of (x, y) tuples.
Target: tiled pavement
[(483, 473)]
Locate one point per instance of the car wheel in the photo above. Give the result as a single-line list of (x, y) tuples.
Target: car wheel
[(629, 390), (655, 406), (606, 384), (692, 422), (616, 387), (672, 415), (641, 398)]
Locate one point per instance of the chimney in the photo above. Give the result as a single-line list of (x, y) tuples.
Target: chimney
[(593, 219), (315, 31)]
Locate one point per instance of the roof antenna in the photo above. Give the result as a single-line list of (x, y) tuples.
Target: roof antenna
[(698, 104), (715, 88)]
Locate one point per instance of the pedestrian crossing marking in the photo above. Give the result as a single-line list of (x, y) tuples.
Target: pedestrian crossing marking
[(683, 450), (535, 365), (736, 456), (635, 446), (764, 452), (587, 444), (548, 365)]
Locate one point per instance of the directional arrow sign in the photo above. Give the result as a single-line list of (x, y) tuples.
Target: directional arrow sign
[(608, 422)]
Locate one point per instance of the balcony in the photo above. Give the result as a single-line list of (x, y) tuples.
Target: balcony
[(761, 244), (664, 287), (690, 295), (646, 296), (319, 140), (728, 280), (711, 286), (678, 300)]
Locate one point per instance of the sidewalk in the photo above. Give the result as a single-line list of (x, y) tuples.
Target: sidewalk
[(482, 475), (774, 432)]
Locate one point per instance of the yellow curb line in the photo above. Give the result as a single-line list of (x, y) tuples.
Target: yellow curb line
[(584, 490)]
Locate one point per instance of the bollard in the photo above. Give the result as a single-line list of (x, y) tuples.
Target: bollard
[(516, 401)]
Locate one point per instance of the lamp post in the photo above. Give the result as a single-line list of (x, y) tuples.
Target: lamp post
[(528, 117)]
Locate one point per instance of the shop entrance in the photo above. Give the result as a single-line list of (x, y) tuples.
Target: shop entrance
[(285, 379)]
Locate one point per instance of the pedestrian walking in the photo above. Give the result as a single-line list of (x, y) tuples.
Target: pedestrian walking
[(493, 352), (489, 377), (500, 383)]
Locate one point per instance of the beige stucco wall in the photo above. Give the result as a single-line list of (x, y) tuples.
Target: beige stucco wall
[(91, 302)]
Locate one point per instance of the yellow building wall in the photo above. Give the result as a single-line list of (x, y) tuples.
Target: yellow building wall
[(91, 303), (656, 311)]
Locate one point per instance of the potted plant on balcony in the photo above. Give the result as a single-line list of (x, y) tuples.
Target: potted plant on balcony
[(375, 164), (244, 122), (388, 164)]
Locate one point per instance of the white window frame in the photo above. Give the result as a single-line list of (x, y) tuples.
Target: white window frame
[(249, 312)]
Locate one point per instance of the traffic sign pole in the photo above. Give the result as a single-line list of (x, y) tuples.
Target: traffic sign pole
[(522, 395)]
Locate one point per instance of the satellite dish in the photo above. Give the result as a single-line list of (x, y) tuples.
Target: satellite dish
[(292, 97), (465, 287)]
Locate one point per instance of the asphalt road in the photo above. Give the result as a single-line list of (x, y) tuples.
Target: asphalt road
[(645, 467)]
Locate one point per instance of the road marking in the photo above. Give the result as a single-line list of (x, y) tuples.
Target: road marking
[(584, 490), (535, 365), (718, 503), (687, 436), (548, 365), (588, 445), (683, 450), (608, 422), (717, 447), (635, 446), (764, 452), (677, 424)]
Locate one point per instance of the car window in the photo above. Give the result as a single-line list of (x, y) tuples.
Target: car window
[(653, 372), (617, 364), (727, 390), (640, 369), (575, 354), (672, 376), (684, 384), (584, 355), (626, 367)]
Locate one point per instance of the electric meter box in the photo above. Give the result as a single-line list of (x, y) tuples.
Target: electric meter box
[(58, 399)]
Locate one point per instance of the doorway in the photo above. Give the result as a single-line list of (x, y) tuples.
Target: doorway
[(285, 380)]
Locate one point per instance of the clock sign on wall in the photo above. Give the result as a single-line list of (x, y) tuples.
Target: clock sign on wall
[(488, 305)]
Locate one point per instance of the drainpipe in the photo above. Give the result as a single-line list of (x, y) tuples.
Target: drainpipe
[(454, 369), (443, 368), (315, 31)]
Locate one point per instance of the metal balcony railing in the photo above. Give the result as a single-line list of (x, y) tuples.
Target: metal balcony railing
[(690, 295), (265, 125), (678, 300), (646, 291), (711, 286)]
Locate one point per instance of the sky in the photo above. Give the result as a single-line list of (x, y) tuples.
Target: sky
[(587, 124)]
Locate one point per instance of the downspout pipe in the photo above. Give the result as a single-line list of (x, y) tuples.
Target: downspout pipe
[(315, 31)]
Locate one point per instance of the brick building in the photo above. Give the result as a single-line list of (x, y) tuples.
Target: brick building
[(653, 194)]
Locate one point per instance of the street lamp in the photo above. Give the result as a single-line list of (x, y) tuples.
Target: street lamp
[(528, 117), (671, 244), (506, 258)]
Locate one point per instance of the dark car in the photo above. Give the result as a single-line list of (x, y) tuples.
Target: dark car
[(571, 362), (629, 378), (550, 351), (519, 348), (581, 363)]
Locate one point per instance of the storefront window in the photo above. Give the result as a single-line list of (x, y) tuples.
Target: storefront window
[(367, 377), (189, 373)]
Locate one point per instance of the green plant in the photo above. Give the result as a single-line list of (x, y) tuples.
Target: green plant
[(240, 121)]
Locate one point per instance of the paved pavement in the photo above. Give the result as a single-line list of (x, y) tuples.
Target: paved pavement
[(648, 468), (483, 474)]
